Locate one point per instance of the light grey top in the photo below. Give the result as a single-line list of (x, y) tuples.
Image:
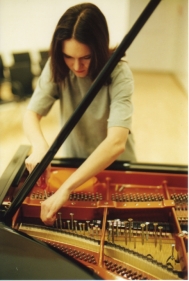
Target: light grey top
[(111, 107)]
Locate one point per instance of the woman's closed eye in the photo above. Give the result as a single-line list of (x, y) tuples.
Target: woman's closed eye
[(88, 57)]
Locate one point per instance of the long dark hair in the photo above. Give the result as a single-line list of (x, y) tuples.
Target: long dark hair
[(87, 24)]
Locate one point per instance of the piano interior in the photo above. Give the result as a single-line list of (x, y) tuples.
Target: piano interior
[(123, 224)]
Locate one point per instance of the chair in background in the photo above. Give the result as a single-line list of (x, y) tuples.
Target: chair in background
[(21, 78), (22, 57), (44, 57), (44, 54), (3, 78), (2, 75)]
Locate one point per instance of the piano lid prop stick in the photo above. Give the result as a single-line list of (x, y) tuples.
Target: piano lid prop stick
[(94, 89)]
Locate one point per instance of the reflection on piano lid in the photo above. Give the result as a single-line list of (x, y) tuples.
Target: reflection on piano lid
[(23, 258)]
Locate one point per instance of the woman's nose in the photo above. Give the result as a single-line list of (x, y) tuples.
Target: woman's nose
[(77, 64)]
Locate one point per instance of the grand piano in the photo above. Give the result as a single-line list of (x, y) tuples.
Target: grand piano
[(128, 222)]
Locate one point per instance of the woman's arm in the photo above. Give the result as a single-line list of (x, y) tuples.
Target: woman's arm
[(106, 153), (32, 129)]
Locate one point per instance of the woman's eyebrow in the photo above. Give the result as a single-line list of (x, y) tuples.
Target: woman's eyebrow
[(79, 58)]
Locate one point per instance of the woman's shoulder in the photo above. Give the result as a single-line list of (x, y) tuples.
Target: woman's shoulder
[(122, 69), (46, 71)]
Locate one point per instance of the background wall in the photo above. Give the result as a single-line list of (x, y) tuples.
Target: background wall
[(160, 104), (29, 24), (162, 44)]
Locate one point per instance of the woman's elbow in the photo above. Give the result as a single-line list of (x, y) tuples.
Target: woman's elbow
[(118, 137), (118, 146), (31, 115), (121, 148), (30, 118)]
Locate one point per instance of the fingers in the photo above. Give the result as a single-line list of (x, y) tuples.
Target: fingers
[(32, 160), (42, 181), (39, 182), (29, 165), (47, 216), (49, 220), (50, 207)]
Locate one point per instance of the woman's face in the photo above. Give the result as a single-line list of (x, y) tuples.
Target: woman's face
[(77, 57)]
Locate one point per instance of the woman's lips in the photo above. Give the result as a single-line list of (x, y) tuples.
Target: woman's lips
[(80, 71)]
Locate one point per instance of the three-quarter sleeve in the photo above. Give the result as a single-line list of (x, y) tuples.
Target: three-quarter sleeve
[(120, 93), (45, 94)]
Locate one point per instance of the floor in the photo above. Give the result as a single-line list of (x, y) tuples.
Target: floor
[(160, 121)]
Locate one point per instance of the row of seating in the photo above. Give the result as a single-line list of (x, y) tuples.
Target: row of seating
[(20, 74), (25, 57)]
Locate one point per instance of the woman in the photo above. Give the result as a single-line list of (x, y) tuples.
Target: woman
[(79, 50)]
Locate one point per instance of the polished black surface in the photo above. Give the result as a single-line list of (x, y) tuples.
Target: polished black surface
[(125, 166), (23, 258)]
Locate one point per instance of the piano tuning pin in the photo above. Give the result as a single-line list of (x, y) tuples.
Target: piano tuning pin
[(56, 223), (147, 234), (60, 220), (75, 225), (68, 223), (83, 228), (142, 226), (88, 228), (160, 233), (134, 242), (80, 226), (130, 227), (72, 225)]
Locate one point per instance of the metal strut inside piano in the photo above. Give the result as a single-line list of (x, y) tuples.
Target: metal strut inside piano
[(128, 222)]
